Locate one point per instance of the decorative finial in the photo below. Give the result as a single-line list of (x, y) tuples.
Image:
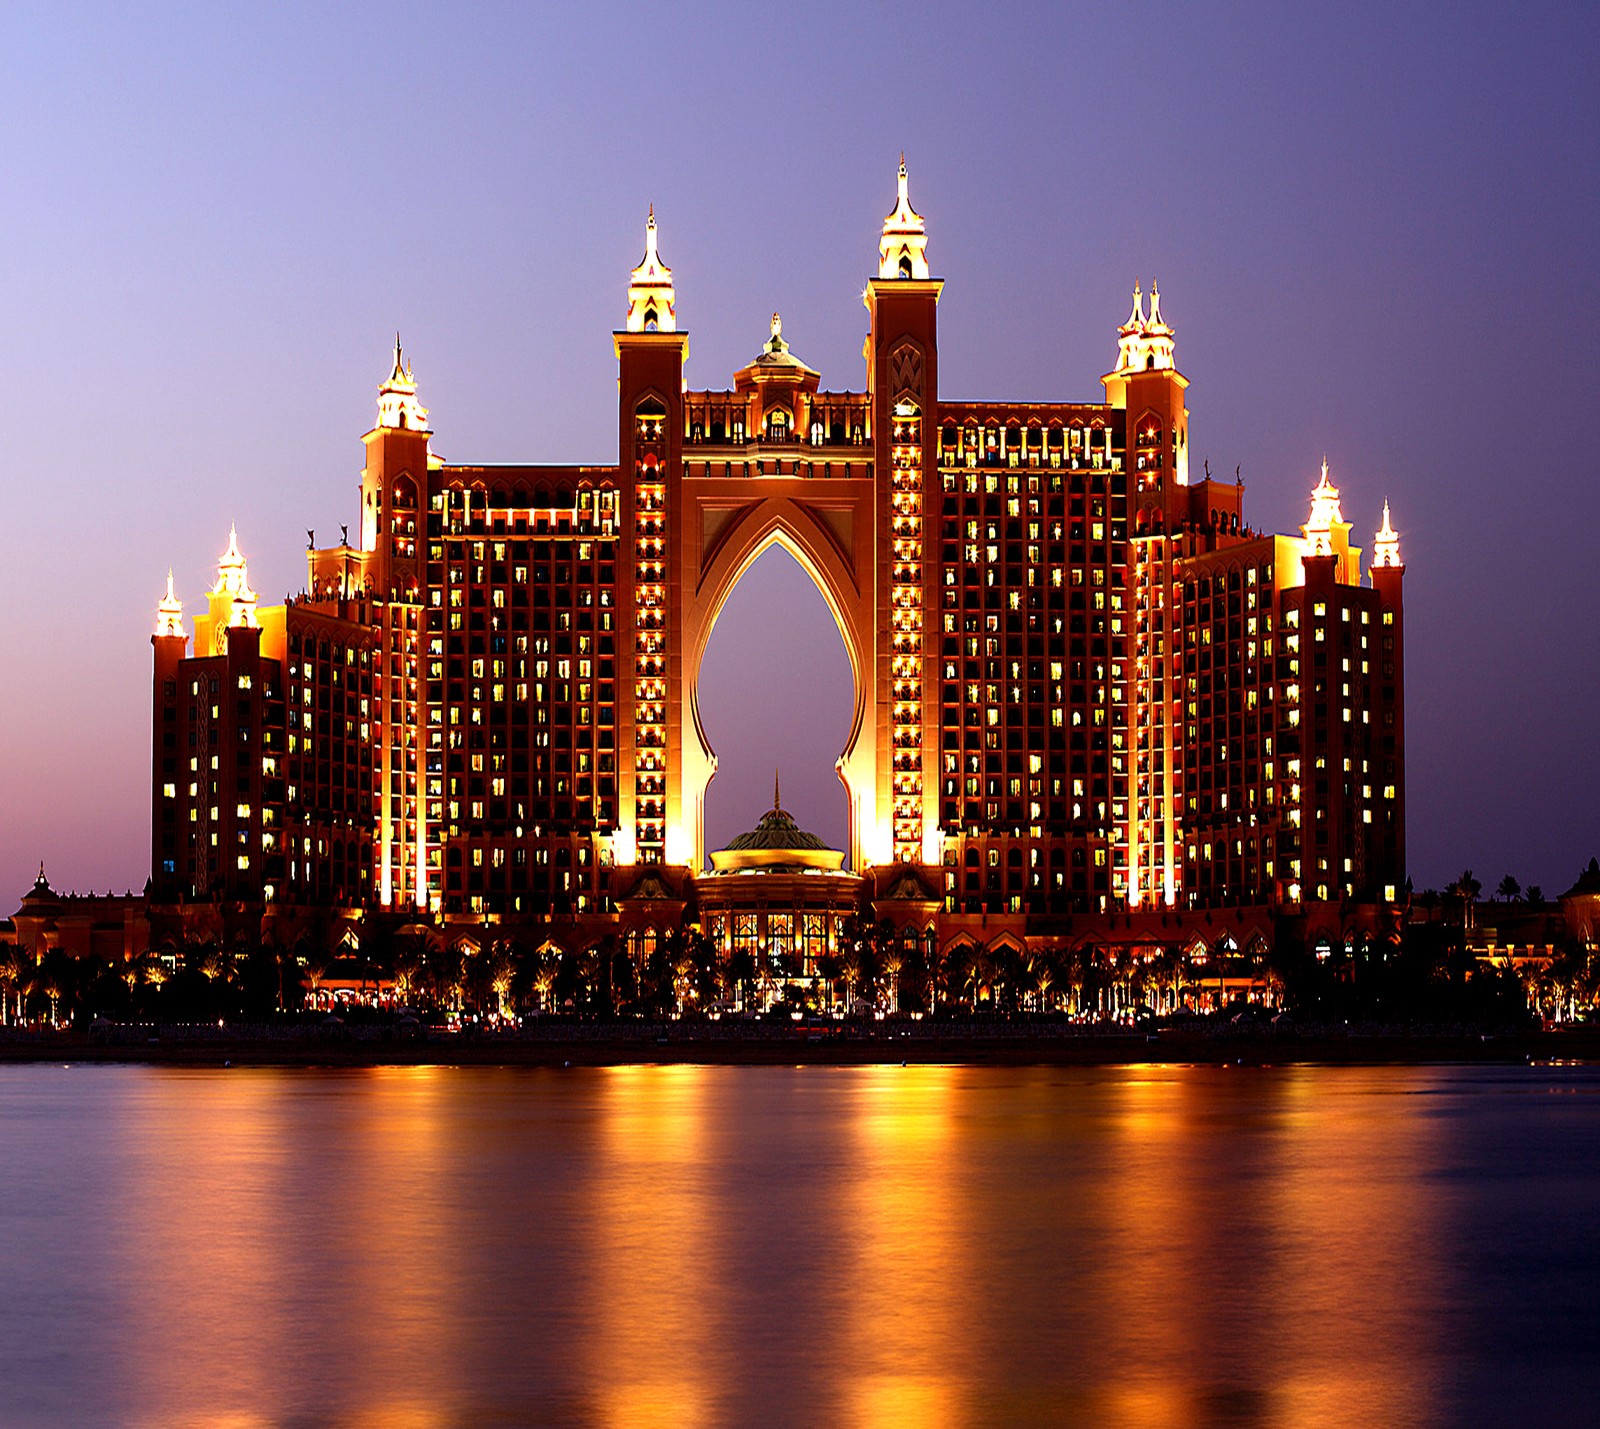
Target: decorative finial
[(777, 803), (1325, 516), (650, 294), (397, 397), (169, 611), (903, 248), (1386, 544)]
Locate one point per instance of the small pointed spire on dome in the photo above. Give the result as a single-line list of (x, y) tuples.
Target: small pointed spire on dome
[(777, 803)]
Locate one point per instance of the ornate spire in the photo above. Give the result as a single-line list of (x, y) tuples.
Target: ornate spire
[(777, 803), (1325, 516), (903, 249), (1386, 544), (651, 300), (233, 581), (1135, 322), (169, 613), (1155, 327), (1144, 344), (397, 398)]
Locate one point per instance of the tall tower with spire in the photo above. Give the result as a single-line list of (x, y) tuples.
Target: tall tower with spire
[(651, 353), (652, 304), (903, 248), (1147, 384), (902, 353), (170, 644), (394, 485)]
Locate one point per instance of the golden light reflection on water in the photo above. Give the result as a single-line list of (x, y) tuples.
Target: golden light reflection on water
[(905, 1252), (935, 1246), (651, 1355), (1299, 1243), (266, 1202)]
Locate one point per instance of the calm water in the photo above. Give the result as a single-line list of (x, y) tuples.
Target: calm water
[(862, 1246)]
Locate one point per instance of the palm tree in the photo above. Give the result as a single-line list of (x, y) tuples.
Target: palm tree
[(499, 970), (55, 979), (1466, 888), (538, 967), (889, 966), (16, 977), (406, 968), (1509, 888)]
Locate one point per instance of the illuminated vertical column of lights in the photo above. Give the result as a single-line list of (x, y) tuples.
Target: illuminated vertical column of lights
[(905, 603), (650, 654), (403, 825), (1289, 743), (443, 521), (1152, 831)]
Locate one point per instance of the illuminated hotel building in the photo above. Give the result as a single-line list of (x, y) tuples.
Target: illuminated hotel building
[(1086, 693)]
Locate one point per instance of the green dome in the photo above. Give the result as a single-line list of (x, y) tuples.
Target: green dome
[(775, 844), (777, 829)]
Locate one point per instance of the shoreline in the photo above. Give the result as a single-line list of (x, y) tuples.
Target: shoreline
[(598, 1049)]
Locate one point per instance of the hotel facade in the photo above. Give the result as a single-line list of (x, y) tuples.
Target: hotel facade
[(1090, 702)]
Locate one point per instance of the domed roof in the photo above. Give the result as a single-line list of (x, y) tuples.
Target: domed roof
[(777, 829), (776, 842), (41, 892)]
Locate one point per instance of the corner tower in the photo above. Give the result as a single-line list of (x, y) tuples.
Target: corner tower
[(171, 645), (651, 353), (394, 484), (902, 352), (1146, 383)]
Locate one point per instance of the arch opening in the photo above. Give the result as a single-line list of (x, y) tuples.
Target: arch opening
[(775, 690)]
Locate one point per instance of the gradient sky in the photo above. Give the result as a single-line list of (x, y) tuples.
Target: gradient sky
[(1375, 230)]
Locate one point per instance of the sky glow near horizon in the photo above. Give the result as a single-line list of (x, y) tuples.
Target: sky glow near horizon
[(1374, 231)]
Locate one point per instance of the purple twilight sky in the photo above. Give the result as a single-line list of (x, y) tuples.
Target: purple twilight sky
[(1375, 230)]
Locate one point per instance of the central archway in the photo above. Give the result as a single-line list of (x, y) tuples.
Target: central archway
[(775, 697), (827, 527)]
